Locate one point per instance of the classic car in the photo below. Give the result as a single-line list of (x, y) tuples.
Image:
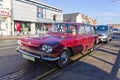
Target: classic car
[(62, 41)]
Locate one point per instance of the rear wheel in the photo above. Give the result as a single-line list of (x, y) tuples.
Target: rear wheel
[(64, 58)]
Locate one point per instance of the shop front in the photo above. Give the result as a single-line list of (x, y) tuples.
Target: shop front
[(4, 22), (34, 18), (22, 28)]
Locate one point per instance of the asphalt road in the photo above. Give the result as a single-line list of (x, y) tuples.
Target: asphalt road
[(14, 67)]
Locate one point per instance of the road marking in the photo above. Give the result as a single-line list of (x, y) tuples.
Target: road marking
[(8, 47), (45, 74), (76, 56), (80, 55)]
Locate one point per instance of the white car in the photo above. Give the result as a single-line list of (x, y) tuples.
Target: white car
[(104, 32), (116, 31)]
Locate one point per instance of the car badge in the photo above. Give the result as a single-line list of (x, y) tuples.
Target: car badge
[(29, 43)]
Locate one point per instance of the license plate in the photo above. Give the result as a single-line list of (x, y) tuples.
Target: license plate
[(28, 57)]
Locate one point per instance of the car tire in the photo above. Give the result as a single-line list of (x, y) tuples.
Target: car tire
[(64, 58)]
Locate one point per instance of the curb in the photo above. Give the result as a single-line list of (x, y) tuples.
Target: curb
[(11, 37), (8, 38)]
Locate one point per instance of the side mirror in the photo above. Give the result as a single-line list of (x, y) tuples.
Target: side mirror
[(111, 30)]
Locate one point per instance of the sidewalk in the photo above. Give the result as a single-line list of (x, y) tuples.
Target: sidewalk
[(16, 37), (12, 37)]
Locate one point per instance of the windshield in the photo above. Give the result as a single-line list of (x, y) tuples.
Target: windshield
[(64, 28), (115, 29), (102, 28)]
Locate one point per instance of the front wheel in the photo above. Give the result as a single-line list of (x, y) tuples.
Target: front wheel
[(64, 58)]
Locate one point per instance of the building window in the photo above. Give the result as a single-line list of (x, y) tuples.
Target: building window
[(39, 12), (0, 4), (54, 17), (93, 29), (82, 30), (88, 29)]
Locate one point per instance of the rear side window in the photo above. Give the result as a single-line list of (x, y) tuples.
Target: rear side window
[(88, 29), (82, 29), (73, 29), (93, 30)]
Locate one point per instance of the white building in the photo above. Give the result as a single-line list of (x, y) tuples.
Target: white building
[(73, 17), (5, 17), (31, 15), (78, 17)]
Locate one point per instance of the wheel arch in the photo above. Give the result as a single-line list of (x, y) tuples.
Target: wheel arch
[(71, 51)]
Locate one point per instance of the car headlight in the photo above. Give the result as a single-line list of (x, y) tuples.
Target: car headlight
[(19, 42), (47, 48)]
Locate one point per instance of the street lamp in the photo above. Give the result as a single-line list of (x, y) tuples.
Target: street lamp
[(11, 17)]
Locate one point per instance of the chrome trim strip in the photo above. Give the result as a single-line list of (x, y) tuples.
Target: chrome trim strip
[(23, 52), (44, 58), (51, 59)]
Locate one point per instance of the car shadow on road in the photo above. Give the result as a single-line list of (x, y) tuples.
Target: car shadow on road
[(85, 71), (115, 66)]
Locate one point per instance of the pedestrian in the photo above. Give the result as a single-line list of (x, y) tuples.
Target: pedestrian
[(29, 28), (18, 28)]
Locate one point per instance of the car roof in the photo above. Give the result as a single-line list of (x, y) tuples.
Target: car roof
[(72, 23), (101, 25)]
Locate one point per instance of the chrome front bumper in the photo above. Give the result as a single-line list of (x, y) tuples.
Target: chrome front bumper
[(36, 56), (103, 39)]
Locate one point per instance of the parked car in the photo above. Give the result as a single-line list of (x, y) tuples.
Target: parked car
[(104, 32), (62, 41), (116, 30)]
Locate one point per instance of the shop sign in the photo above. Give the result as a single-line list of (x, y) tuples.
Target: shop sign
[(4, 12), (39, 12)]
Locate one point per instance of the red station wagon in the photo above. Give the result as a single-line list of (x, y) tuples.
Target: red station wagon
[(62, 41)]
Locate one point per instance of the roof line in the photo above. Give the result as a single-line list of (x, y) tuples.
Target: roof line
[(38, 2)]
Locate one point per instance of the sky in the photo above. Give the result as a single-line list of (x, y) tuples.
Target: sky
[(104, 11)]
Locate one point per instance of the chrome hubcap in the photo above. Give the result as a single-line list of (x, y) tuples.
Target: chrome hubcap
[(64, 57)]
